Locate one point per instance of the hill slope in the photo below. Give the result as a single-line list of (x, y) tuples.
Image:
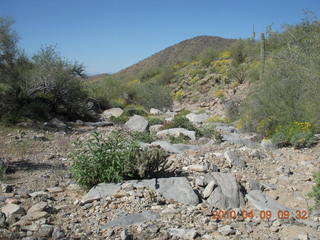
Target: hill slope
[(182, 51)]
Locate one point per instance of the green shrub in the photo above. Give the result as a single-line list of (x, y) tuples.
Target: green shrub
[(119, 120), (288, 90), (155, 120), (181, 121), (180, 139), (145, 137), (114, 159), (134, 109), (296, 134), (210, 131), (315, 193)]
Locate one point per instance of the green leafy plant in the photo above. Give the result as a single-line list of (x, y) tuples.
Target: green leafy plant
[(114, 159), (155, 120), (296, 134), (315, 193), (179, 139), (210, 131)]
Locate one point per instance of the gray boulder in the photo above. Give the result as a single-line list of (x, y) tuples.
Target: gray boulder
[(176, 132), (226, 194), (197, 118), (234, 159), (155, 111), (55, 122), (174, 148), (135, 218), (155, 128), (137, 123), (112, 112), (102, 190), (264, 202), (176, 188)]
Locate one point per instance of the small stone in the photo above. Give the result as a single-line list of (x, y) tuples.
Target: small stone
[(226, 230), (303, 236), (45, 231), (209, 188), (55, 190), (58, 234), (127, 186), (197, 168), (36, 194), (125, 235), (200, 181), (183, 233), (3, 219)]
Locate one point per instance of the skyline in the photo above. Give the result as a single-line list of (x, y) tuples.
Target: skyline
[(107, 36)]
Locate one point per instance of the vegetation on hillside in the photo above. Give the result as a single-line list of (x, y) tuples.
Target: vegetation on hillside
[(39, 86)]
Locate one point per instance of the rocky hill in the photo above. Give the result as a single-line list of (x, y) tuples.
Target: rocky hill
[(180, 52)]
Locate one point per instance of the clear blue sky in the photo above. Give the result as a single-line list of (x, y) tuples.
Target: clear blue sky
[(109, 35)]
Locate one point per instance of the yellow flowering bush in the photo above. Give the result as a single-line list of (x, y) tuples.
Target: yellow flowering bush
[(180, 94)]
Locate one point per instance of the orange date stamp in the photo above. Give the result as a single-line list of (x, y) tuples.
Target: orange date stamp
[(263, 214)]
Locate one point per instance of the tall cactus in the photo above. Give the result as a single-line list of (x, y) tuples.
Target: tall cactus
[(262, 54)]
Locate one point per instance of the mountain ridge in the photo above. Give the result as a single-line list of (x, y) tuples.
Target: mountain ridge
[(179, 52)]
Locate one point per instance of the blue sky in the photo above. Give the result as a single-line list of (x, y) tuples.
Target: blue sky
[(109, 35)]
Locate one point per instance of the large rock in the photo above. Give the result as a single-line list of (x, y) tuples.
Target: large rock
[(226, 194), (264, 202), (197, 118), (135, 218), (102, 190), (176, 132), (234, 159), (137, 123), (155, 111), (174, 148), (55, 122), (112, 112), (176, 188), (12, 210)]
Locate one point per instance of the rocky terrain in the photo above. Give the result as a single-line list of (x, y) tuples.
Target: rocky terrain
[(243, 174)]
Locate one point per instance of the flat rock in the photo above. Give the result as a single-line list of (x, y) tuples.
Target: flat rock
[(55, 190), (197, 118), (102, 190), (39, 193), (130, 219), (176, 188), (197, 168), (234, 159), (112, 112), (12, 209), (176, 132), (263, 202), (37, 207), (209, 188), (174, 148), (36, 215), (226, 195), (155, 111), (137, 123), (183, 233)]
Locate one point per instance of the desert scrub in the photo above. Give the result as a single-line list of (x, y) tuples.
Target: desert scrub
[(134, 109), (113, 159), (123, 118), (155, 120), (217, 118), (210, 131), (181, 121), (219, 94), (296, 134), (315, 193), (179, 95)]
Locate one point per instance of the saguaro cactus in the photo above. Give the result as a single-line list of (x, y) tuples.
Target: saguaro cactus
[(262, 54)]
